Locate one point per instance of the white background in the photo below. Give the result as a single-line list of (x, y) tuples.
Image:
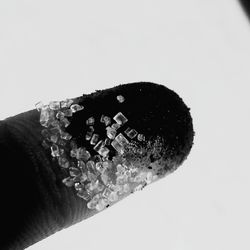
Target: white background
[(51, 50)]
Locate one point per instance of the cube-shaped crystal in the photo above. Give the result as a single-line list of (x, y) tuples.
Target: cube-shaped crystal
[(121, 139), (131, 133), (120, 118)]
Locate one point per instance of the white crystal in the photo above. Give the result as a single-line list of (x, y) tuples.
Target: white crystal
[(141, 137), (120, 118), (90, 121), (76, 107), (120, 98), (111, 132)]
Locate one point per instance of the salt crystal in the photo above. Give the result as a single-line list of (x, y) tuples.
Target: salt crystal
[(68, 182), (81, 164), (113, 197), (73, 152), (74, 171), (111, 132), (106, 192), (66, 103), (107, 141), (78, 186), (82, 154), (97, 158), (141, 137), (138, 188), (54, 105), (94, 139), (44, 117), (65, 122), (60, 115), (54, 138), (131, 133), (103, 151), (101, 205), (65, 135), (120, 118), (120, 98), (99, 166), (76, 107), (45, 133), (121, 139), (107, 120), (67, 112), (126, 188), (83, 178), (83, 194), (105, 178), (54, 150), (115, 126), (90, 165), (98, 146), (90, 121)]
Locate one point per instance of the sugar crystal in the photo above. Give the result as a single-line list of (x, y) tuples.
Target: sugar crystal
[(111, 132), (117, 146), (94, 139), (121, 139), (68, 182)]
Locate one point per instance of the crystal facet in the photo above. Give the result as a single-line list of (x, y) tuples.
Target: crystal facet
[(54, 105), (68, 182), (121, 139), (94, 139)]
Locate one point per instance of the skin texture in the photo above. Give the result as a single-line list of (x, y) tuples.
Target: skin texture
[(35, 203)]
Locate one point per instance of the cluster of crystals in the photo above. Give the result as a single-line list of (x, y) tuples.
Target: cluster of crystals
[(98, 179), (55, 117)]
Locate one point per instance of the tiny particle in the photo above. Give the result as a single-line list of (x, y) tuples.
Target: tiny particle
[(141, 137), (94, 139), (54, 105)]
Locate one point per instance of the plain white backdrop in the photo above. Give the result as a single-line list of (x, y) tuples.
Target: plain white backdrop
[(50, 50)]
